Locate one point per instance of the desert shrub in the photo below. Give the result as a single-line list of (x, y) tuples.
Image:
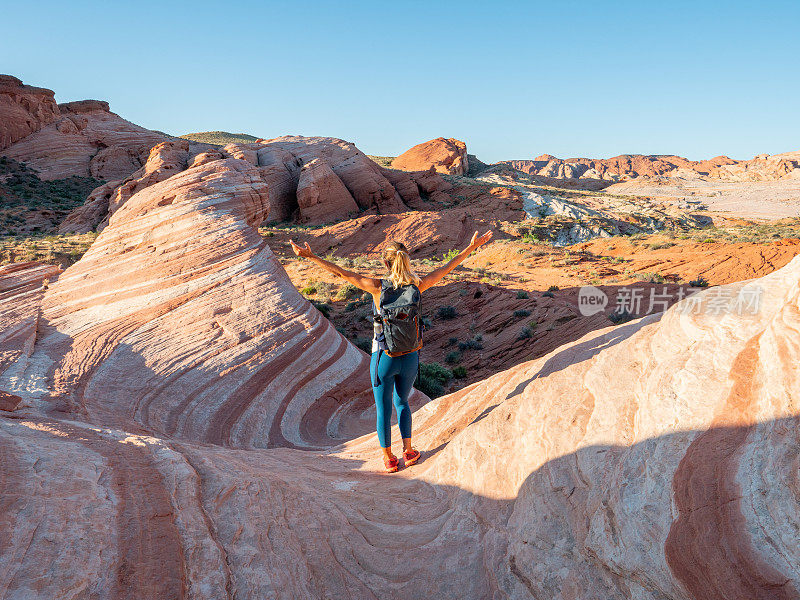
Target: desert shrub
[(522, 295), (521, 313), (460, 372), (524, 333), (533, 237), (452, 357), (659, 245), (351, 306), (700, 282), (473, 344), (347, 291), (451, 341), (309, 290), (433, 378), (650, 277), (619, 317), (450, 255), (325, 309), (447, 312), (553, 288), (548, 294), (364, 343)]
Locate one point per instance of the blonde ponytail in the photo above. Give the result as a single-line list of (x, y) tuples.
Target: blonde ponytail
[(400, 271)]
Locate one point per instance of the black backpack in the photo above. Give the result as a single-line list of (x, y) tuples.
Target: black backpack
[(398, 324)]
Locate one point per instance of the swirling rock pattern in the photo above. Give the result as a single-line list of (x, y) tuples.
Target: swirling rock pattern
[(183, 413), (179, 304)]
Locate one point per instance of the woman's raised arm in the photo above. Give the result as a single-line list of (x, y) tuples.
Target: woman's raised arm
[(436, 275), (368, 284)]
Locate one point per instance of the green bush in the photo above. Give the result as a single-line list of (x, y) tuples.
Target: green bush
[(364, 343), (700, 282), (521, 313), (450, 255), (473, 344), (325, 309), (447, 312), (553, 288), (619, 317), (309, 290), (433, 378), (347, 291), (650, 277), (452, 357), (548, 294), (522, 295), (460, 372)]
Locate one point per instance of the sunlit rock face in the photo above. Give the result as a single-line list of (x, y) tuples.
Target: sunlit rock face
[(24, 109), (309, 179), (444, 155), (187, 426), (179, 320)]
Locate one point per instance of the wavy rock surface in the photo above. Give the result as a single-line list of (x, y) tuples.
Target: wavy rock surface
[(178, 290), (180, 395)]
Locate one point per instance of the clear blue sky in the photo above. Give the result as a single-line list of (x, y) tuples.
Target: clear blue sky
[(513, 79)]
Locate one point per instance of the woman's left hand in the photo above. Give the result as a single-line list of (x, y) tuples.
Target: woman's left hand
[(478, 241), (301, 251)]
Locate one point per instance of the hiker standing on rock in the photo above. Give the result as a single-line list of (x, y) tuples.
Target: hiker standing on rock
[(397, 334)]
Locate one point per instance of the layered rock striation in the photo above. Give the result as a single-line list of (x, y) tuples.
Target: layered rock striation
[(24, 109), (182, 415), (310, 179)]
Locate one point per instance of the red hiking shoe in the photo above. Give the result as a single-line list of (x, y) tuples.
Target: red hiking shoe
[(411, 457), (391, 464)]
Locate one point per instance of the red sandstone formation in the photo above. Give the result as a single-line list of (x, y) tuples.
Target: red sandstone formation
[(24, 109), (166, 159), (21, 291), (177, 421), (760, 168), (442, 154), (321, 195), (138, 331), (312, 178), (84, 138), (656, 459)]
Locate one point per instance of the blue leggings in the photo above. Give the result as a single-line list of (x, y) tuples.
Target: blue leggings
[(396, 377)]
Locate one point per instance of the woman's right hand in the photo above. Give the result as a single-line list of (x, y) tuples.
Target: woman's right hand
[(478, 241), (304, 252)]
